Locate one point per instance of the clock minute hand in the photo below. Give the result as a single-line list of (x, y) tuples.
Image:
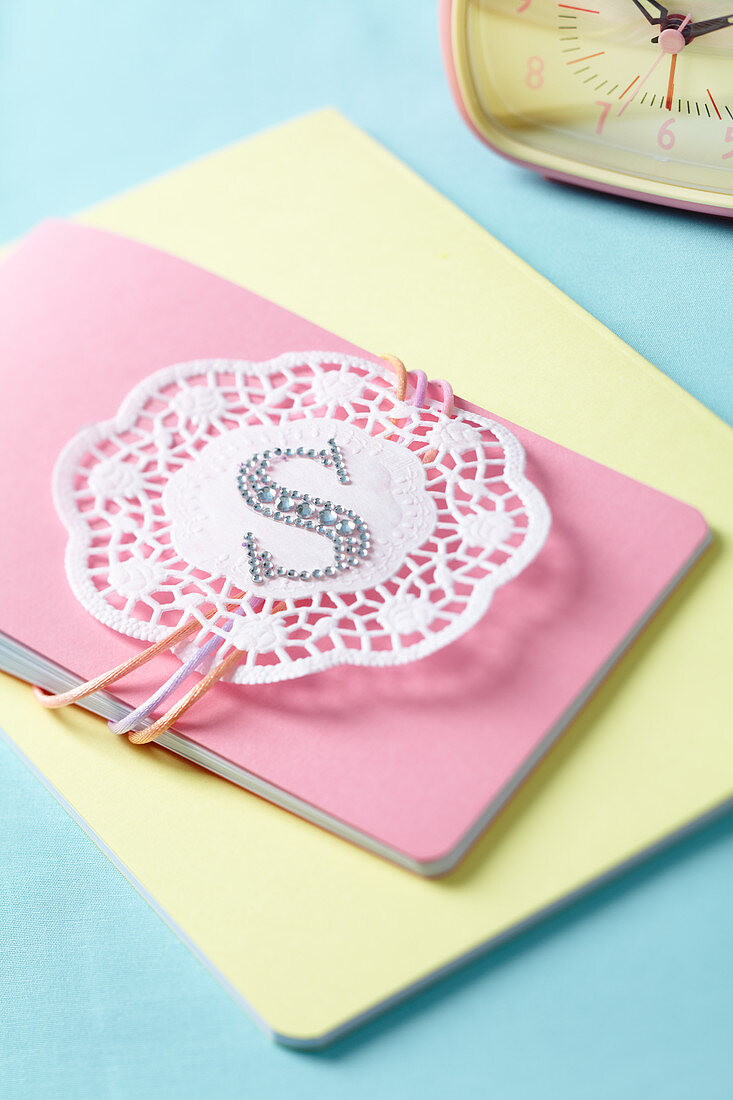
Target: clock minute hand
[(707, 26), (645, 5)]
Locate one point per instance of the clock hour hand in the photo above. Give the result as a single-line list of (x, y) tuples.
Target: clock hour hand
[(652, 12)]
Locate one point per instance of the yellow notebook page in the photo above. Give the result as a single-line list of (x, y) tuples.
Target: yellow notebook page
[(311, 932)]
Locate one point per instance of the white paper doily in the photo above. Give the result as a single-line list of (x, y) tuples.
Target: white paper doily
[(156, 521)]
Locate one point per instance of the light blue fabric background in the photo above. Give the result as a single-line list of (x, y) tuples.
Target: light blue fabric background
[(626, 995)]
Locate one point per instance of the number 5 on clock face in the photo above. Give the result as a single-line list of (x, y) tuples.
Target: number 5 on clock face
[(729, 138)]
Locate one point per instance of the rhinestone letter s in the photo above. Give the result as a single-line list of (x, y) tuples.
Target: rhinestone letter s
[(346, 531)]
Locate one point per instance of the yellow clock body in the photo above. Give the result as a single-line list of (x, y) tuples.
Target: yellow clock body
[(627, 96)]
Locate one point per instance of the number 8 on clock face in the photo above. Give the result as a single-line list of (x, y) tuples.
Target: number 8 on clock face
[(628, 96)]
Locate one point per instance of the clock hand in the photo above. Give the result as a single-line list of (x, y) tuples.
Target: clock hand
[(670, 82), (644, 5), (671, 41), (707, 26)]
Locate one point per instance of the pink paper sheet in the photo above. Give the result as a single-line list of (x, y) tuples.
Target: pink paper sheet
[(411, 756)]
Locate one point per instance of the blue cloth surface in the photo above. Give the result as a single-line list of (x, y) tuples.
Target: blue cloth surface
[(624, 995)]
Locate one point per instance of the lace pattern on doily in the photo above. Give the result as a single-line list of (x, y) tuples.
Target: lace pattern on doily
[(155, 524)]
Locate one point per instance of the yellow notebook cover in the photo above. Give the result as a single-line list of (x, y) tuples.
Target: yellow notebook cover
[(307, 932)]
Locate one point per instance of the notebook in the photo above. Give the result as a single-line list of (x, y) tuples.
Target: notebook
[(308, 932), (410, 761)]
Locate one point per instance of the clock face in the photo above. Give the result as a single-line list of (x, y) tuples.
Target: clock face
[(590, 87)]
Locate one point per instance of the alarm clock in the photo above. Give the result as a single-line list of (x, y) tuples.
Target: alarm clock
[(625, 96)]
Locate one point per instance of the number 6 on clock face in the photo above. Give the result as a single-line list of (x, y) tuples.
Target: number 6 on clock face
[(622, 95), (665, 137)]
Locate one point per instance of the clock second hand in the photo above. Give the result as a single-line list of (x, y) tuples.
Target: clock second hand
[(671, 41)]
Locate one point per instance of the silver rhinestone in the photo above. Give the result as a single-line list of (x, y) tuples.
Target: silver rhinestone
[(327, 517), (305, 575), (363, 553), (278, 451), (345, 527), (280, 571), (317, 574), (306, 509), (289, 520), (330, 571), (311, 453), (292, 574), (341, 565), (300, 450)]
